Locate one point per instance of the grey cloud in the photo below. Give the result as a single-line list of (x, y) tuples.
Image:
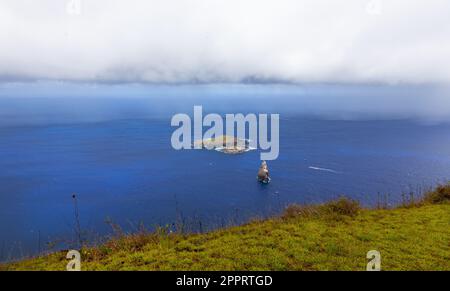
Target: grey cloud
[(218, 41)]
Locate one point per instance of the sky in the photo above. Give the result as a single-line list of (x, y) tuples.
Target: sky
[(225, 41)]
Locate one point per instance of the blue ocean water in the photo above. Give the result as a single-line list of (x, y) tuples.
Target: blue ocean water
[(125, 170)]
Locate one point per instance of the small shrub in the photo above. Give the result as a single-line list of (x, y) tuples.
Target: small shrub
[(295, 210), (440, 195), (342, 206)]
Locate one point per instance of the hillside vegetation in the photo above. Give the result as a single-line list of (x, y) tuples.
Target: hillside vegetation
[(333, 236)]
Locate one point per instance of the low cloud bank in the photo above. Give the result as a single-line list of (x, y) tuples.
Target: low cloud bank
[(38, 103)]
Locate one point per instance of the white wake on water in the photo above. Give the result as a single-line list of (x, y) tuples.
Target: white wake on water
[(324, 170)]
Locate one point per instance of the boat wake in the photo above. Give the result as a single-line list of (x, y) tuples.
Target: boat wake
[(324, 170)]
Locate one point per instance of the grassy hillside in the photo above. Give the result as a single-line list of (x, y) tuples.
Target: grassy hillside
[(334, 236)]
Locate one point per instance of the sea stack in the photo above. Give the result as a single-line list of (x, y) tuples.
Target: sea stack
[(263, 173)]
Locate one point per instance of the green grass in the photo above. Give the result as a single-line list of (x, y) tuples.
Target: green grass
[(335, 236)]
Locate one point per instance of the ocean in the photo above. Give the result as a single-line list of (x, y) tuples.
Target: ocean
[(122, 169)]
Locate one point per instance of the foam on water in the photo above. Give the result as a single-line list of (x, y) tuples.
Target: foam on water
[(323, 169)]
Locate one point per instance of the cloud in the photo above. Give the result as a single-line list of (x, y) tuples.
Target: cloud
[(206, 41)]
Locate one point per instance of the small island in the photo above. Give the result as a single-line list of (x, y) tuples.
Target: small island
[(225, 143)]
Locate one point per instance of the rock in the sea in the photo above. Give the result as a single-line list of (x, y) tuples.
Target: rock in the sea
[(263, 173)]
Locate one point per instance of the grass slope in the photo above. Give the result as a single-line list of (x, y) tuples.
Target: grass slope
[(414, 238)]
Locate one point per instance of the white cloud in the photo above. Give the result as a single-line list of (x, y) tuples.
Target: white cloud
[(226, 40)]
